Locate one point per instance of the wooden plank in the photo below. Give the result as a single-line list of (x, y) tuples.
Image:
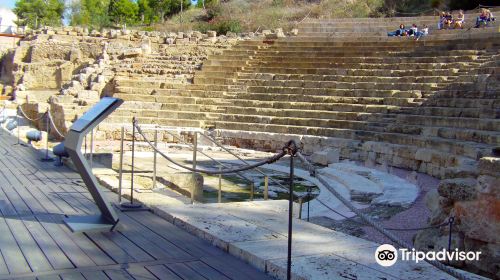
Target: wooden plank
[(48, 277), (54, 254), (111, 249), (140, 273), (70, 249), (154, 244), (3, 265), (207, 271), (72, 276), (162, 272), (234, 268), (35, 257), (16, 201), (95, 275), (120, 274), (187, 242), (14, 258), (133, 250), (184, 271)]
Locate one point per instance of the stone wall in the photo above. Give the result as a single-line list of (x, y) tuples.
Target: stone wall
[(475, 205)]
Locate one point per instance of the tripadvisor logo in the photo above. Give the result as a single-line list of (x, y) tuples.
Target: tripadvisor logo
[(387, 255)]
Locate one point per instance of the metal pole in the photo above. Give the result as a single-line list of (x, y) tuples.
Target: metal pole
[(120, 170), (290, 220), (18, 125), (219, 195), (132, 168), (154, 158), (195, 148), (300, 208), (308, 201), (251, 191), (266, 188), (47, 120), (91, 148)]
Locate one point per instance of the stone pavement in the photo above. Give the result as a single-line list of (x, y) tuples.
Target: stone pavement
[(35, 244)]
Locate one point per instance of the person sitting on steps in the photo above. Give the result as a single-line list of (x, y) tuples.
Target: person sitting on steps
[(422, 32), (442, 18), (460, 20), (484, 17), (400, 32), (413, 30), (448, 19)]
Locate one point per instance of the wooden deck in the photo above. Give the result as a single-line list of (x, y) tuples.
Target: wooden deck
[(35, 244)]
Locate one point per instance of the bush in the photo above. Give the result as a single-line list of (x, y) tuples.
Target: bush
[(222, 27)]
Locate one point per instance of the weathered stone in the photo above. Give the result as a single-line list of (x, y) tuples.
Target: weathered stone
[(212, 34), (187, 182), (458, 189), (490, 166), (325, 157)]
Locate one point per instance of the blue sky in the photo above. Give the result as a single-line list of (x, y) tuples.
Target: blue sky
[(7, 3)]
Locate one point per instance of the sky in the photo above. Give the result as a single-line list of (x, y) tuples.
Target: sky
[(7, 3)]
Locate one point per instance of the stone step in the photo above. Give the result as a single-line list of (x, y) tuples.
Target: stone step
[(469, 135), (322, 75), (457, 122), (382, 28), (116, 121), (171, 99), (453, 147), (405, 102), (484, 113), (312, 87), (349, 65), (463, 103), (334, 79)]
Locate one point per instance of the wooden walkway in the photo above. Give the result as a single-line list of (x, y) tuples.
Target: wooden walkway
[(35, 244)]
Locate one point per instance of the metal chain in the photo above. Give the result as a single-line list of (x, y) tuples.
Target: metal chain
[(51, 120), (371, 222), (269, 160)]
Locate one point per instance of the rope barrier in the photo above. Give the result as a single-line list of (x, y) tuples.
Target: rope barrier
[(51, 120), (26, 117), (269, 160), (372, 223)]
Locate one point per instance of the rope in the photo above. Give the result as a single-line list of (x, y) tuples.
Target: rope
[(386, 228), (269, 160), (203, 153), (26, 117), (54, 125), (372, 223)]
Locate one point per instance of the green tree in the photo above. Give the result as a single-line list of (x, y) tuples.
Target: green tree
[(123, 11), (145, 12), (91, 13), (35, 13)]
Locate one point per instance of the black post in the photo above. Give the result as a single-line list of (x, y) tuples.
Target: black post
[(290, 220), (308, 200), (47, 158)]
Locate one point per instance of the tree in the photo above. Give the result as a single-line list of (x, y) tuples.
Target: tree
[(91, 13), (35, 13), (123, 11), (146, 13)]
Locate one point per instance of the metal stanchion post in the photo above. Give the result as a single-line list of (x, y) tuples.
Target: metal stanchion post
[(18, 119), (219, 195), (47, 158), (300, 208), (120, 169), (132, 205), (309, 189), (91, 159), (266, 187), (195, 148), (251, 191), (154, 157), (290, 220)]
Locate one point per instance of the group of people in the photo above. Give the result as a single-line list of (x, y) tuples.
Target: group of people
[(413, 31), (447, 20), (484, 18)]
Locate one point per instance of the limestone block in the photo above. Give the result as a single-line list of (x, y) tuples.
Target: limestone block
[(89, 95), (187, 181), (133, 52), (479, 219), (489, 166), (326, 157), (212, 34), (266, 32), (458, 189), (488, 185), (294, 32)]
